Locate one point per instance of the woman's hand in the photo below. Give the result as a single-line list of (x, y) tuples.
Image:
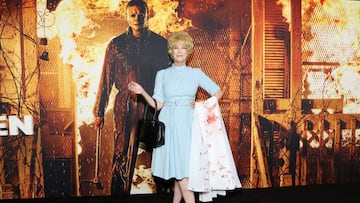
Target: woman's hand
[(192, 104), (135, 88)]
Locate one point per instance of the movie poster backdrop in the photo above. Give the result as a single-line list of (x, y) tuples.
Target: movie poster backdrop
[(52, 55)]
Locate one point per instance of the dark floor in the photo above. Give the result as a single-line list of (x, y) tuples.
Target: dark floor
[(343, 193)]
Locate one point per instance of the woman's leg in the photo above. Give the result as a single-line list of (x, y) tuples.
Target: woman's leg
[(177, 193), (188, 195)]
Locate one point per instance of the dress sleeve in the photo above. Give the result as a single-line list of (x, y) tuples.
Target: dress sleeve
[(206, 82), (158, 89)]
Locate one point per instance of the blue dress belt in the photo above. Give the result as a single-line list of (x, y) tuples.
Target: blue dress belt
[(178, 103)]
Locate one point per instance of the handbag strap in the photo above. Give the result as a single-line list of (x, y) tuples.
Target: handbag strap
[(146, 109), (155, 109)]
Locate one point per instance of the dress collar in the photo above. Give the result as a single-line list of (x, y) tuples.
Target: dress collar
[(178, 67)]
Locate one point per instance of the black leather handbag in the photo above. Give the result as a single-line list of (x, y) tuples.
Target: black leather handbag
[(150, 131)]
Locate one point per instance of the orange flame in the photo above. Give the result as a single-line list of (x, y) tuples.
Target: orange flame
[(331, 30)]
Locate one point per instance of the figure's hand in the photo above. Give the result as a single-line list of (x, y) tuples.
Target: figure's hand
[(135, 88), (98, 122)]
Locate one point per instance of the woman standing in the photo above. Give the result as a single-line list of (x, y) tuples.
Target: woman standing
[(175, 90)]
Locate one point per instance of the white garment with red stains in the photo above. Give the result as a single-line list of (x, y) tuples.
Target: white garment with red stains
[(212, 167)]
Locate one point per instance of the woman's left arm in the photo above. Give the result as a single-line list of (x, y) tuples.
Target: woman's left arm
[(218, 94)]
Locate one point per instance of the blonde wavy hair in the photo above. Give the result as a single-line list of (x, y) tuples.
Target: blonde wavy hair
[(181, 36)]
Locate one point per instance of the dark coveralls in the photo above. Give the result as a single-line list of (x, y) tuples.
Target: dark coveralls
[(128, 59)]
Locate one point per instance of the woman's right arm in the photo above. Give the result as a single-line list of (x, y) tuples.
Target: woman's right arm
[(138, 89)]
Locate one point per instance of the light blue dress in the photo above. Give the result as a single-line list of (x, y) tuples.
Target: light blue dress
[(176, 87)]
